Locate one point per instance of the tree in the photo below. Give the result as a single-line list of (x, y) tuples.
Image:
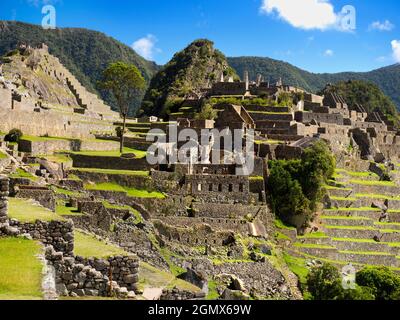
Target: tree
[(207, 113), (14, 135), (324, 282), (384, 283), (125, 82)]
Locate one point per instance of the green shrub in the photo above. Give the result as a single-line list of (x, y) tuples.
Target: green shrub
[(384, 283), (325, 283), (14, 135), (296, 186)]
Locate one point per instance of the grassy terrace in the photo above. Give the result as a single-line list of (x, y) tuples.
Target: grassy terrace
[(376, 196), (131, 192), (314, 235), (27, 211), (138, 153), (336, 188), (297, 266), (121, 172), (344, 218), (150, 277), (352, 209), (63, 210), (88, 246), (363, 174), (374, 183), (20, 173), (42, 139), (343, 198), (313, 246), (268, 142), (2, 155), (21, 270), (280, 225)]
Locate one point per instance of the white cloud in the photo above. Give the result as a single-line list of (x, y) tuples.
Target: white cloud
[(146, 46), (329, 53), (381, 26), (396, 50), (303, 14)]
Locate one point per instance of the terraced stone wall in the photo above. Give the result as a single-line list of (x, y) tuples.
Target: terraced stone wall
[(4, 191)]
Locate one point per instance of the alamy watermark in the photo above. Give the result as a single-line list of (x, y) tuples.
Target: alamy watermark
[(349, 277), (347, 19), (203, 146), (49, 20)]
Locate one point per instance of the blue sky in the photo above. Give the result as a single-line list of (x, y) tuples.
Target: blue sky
[(306, 33)]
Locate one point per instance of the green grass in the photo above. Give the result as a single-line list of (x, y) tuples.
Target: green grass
[(20, 173), (88, 246), (63, 210), (374, 183), (354, 209), (151, 277), (138, 153), (312, 246), (21, 270), (297, 266), (336, 188), (314, 235), (66, 192), (136, 213), (281, 236), (2, 155), (344, 218), (342, 198), (27, 211), (120, 172), (280, 225), (58, 158), (132, 192), (351, 228), (354, 240), (41, 139), (212, 290), (376, 196), (357, 174), (256, 178), (372, 253)]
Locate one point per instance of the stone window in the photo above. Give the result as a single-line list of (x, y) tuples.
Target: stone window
[(231, 187), (210, 187), (220, 187), (240, 187)]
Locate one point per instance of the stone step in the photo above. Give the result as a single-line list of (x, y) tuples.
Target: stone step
[(387, 226), (322, 252), (363, 245), (351, 232), (347, 221), (369, 258)]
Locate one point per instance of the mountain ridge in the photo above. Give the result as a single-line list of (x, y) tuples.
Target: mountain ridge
[(86, 53)]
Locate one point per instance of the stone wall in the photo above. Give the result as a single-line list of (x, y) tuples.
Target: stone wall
[(177, 294), (196, 235), (77, 276), (113, 163), (58, 234), (42, 195), (125, 180), (4, 190), (51, 146)]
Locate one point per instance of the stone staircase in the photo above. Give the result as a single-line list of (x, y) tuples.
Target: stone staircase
[(360, 223), (90, 103)]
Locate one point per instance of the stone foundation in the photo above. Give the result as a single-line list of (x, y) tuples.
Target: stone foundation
[(4, 190)]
